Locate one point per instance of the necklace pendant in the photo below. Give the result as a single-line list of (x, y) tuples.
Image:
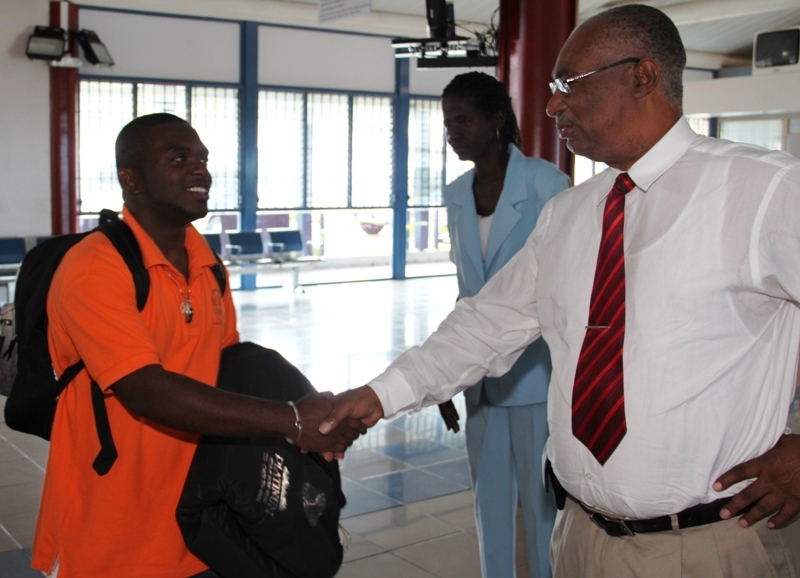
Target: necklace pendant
[(186, 309)]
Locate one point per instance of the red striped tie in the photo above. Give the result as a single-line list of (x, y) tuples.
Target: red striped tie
[(598, 399)]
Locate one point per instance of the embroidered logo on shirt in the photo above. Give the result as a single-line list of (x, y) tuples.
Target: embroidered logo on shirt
[(216, 302), (274, 483)]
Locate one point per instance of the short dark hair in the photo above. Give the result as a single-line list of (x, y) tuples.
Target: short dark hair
[(489, 95), (654, 35), (132, 141)]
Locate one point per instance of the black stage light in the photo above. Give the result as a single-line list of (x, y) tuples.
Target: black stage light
[(46, 43), (93, 48)]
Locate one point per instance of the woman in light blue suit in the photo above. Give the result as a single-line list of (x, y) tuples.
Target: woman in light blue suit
[(491, 211)]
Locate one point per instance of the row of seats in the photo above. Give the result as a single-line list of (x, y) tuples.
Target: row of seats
[(246, 252), (283, 245), (249, 246)]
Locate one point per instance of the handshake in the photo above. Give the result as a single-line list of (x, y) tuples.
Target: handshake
[(328, 424)]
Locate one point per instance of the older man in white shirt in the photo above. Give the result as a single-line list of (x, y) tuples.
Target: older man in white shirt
[(708, 326)]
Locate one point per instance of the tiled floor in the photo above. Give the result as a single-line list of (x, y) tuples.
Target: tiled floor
[(409, 511)]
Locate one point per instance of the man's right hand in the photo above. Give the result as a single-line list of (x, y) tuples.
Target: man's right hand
[(361, 403)]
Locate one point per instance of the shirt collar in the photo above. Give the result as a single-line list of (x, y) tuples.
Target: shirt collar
[(662, 155), (200, 254)]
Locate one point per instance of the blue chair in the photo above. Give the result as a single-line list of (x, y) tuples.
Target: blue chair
[(12, 250), (215, 242), (245, 246), (288, 245)]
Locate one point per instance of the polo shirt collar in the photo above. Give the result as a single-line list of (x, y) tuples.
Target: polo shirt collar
[(200, 254)]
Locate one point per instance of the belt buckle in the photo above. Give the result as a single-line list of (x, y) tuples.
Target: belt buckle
[(615, 527)]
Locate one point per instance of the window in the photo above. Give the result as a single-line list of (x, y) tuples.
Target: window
[(103, 109), (324, 150), (215, 117), (767, 133), (327, 150), (426, 153), (106, 106), (700, 124), (372, 151), (281, 122)]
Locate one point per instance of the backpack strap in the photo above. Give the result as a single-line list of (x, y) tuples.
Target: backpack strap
[(108, 449), (121, 236), (219, 272)]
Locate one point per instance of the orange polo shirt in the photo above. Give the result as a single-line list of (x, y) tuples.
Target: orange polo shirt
[(122, 525)]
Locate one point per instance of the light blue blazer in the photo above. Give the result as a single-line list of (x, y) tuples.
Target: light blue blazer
[(529, 184)]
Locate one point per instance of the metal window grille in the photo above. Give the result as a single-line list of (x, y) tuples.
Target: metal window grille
[(103, 109), (327, 150), (371, 181), (281, 122), (425, 153), (151, 98), (215, 117)]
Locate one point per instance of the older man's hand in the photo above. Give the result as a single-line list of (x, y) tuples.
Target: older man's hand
[(361, 404), (313, 410), (776, 489)]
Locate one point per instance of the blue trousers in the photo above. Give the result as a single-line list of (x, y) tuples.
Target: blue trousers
[(505, 446)]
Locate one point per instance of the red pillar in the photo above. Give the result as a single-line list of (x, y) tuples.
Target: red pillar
[(63, 128), (531, 35)]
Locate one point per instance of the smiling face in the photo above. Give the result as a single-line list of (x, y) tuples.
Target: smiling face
[(596, 118), (172, 184), (470, 133)]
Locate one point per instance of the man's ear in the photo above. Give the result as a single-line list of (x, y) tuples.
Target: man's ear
[(647, 77), (129, 181)]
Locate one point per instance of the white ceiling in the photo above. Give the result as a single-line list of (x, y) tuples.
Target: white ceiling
[(715, 32)]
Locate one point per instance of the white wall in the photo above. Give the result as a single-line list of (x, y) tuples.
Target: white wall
[(163, 47), (777, 93), (431, 81), (24, 123), (318, 59)]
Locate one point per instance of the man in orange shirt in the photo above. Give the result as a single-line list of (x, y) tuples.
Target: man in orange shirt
[(154, 367)]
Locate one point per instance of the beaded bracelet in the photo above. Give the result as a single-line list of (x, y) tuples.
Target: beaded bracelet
[(297, 422)]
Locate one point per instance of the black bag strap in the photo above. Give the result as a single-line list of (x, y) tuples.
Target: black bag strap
[(108, 449), (219, 272), (124, 242), (123, 239)]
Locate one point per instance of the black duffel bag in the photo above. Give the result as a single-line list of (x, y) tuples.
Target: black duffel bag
[(259, 507)]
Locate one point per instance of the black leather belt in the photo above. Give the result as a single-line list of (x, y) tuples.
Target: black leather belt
[(617, 527), (689, 518)]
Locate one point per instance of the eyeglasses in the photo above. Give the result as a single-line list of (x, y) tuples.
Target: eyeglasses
[(562, 85)]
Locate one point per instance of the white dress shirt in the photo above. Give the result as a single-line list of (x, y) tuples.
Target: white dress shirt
[(712, 260)]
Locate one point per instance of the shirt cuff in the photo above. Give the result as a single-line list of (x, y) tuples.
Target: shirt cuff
[(394, 392)]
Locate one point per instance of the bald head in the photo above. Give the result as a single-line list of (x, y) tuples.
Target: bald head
[(645, 32), (133, 140)]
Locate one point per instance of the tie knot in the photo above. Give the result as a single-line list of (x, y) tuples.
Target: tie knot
[(623, 184)]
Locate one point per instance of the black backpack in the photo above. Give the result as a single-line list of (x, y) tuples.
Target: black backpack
[(258, 507), (31, 404)]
